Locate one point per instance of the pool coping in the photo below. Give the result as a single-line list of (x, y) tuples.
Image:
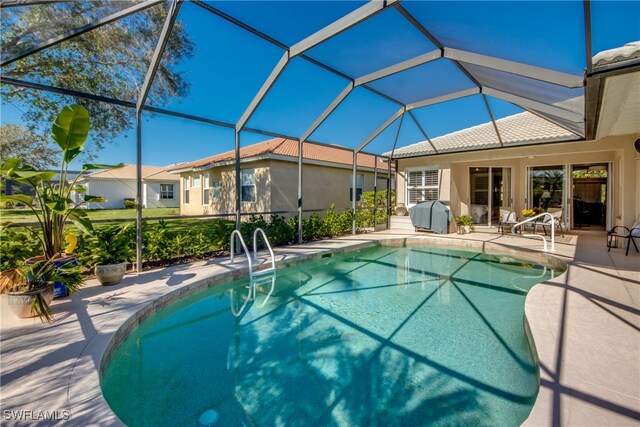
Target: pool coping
[(169, 298)]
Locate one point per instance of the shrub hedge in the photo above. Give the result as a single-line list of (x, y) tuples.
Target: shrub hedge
[(161, 243)]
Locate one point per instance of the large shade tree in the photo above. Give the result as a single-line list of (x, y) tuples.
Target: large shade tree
[(19, 142), (109, 61)]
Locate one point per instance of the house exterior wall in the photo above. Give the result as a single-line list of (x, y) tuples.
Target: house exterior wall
[(322, 186), (152, 195), (113, 191), (226, 203), (276, 188), (615, 149)]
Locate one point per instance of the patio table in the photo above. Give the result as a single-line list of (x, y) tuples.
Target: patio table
[(508, 224)]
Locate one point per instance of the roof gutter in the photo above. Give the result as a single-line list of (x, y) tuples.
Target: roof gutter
[(506, 147), (267, 157)]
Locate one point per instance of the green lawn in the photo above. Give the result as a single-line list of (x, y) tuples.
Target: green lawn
[(177, 223), (25, 215)]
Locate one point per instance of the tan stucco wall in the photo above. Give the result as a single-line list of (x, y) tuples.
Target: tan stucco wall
[(616, 149), (322, 186), (227, 200), (276, 188)]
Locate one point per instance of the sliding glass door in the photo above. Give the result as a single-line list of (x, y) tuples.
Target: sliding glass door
[(479, 195), (490, 189), (590, 196), (501, 194), (546, 187)]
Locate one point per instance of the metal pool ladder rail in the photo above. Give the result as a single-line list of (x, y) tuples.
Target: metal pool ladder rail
[(255, 250), (251, 259), (533, 219), (244, 246)]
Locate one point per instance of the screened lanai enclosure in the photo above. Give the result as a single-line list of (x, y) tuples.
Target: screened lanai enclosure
[(366, 77)]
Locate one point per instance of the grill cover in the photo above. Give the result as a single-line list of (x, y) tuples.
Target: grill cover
[(432, 215)]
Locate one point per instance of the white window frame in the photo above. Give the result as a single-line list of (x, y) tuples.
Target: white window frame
[(205, 189), (186, 182), (195, 178), (164, 193), (424, 186), (251, 172)]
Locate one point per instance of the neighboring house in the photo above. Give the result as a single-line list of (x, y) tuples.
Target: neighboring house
[(269, 179), (160, 189)]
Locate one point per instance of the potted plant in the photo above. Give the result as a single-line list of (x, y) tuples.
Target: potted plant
[(31, 290), (465, 224), (529, 213), (110, 251), (52, 202)]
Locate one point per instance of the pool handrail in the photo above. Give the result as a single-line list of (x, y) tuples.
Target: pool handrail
[(255, 250), (244, 246), (533, 219)]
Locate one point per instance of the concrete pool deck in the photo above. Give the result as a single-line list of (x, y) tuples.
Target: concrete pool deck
[(585, 324)]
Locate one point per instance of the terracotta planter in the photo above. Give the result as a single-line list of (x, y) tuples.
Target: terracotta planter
[(110, 274), (21, 303)]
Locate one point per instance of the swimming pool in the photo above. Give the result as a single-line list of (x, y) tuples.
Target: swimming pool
[(379, 336)]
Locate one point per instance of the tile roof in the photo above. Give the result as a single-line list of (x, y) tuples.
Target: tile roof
[(129, 172), (283, 147), (623, 53), (522, 128)]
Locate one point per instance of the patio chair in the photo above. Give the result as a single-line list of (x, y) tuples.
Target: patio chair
[(556, 213), (507, 218), (622, 232)]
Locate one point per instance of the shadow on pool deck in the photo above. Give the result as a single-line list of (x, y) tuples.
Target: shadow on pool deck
[(586, 330)]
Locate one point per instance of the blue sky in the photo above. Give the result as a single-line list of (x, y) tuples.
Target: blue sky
[(230, 64)]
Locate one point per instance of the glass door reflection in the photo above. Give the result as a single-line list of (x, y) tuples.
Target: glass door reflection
[(479, 195)]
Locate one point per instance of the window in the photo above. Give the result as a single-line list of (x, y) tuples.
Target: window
[(422, 185), (186, 189), (248, 185), (359, 181), (166, 191), (205, 189), (196, 181), (216, 190)]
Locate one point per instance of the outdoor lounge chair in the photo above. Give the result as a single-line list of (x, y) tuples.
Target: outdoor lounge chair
[(622, 232), (507, 218), (546, 221)]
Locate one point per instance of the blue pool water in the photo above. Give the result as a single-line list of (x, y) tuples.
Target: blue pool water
[(382, 336)]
